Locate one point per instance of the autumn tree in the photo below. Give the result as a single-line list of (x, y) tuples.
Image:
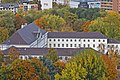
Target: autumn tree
[(1, 58), (108, 25), (50, 22), (40, 69), (10, 1), (22, 70), (4, 34), (13, 54), (59, 65), (84, 66), (85, 26), (19, 20), (52, 55), (111, 66), (41, 23)]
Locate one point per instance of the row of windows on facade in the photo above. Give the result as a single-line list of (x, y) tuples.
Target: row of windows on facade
[(74, 40), (71, 45), (30, 57), (6, 8)]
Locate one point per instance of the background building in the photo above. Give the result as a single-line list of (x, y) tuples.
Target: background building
[(111, 5), (9, 7), (46, 4)]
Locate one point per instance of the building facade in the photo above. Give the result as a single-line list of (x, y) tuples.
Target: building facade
[(113, 5), (94, 4), (46, 4), (9, 7), (27, 53), (31, 36)]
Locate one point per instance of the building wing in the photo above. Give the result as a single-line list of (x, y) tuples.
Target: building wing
[(25, 36)]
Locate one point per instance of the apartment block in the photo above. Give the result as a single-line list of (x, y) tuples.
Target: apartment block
[(113, 5)]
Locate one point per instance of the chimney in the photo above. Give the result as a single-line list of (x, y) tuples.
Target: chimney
[(23, 25)]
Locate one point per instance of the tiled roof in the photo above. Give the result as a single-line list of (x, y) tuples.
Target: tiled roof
[(76, 35), (25, 35), (7, 5), (113, 41), (43, 51)]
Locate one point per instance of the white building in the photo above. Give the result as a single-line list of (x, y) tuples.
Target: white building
[(9, 7), (94, 4), (46, 4), (31, 36)]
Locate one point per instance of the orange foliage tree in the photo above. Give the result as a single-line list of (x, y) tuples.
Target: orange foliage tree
[(40, 69), (22, 70), (19, 21), (111, 66), (41, 23), (85, 26), (59, 65)]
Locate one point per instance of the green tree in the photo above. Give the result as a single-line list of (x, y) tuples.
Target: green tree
[(88, 14), (7, 21), (4, 34), (40, 69), (53, 22), (87, 65), (50, 66), (10, 1), (108, 25), (52, 55), (1, 58)]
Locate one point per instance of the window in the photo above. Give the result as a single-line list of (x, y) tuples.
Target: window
[(99, 40), (88, 40), (93, 40), (58, 39), (70, 45), (93, 45), (103, 40), (116, 46), (84, 40), (54, 45), (84, 45), (79, 39), (62, 39), (66, 58), (88, 45), (20, 57), (62, 45), (49, 39), (66, 45), (71, 40), (49, 45), (79, 45), (25, 57), (75, 40), (75, 45), (54, 39), (108, 46), (60, 58), (66, 39), (58, 45)]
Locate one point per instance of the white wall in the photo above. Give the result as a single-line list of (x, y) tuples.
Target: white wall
[(96, 4), (4, 47), (84, 43), (46, 4)]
